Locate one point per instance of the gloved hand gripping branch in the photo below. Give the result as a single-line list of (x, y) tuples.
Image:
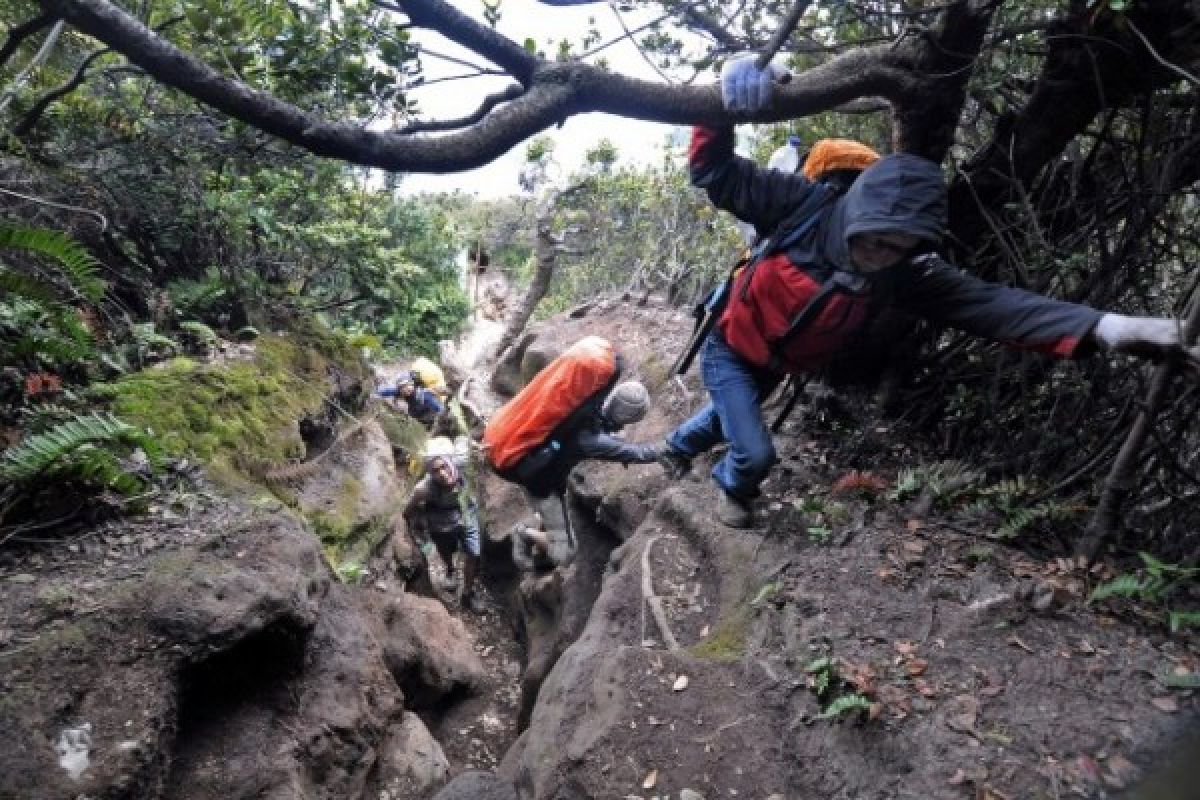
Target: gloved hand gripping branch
[(1149, 337), (747, 87)]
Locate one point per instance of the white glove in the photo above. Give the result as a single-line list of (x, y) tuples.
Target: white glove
[(1142, 336), (745, 87)]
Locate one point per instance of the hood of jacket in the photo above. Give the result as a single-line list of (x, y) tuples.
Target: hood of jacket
[(900, 193)]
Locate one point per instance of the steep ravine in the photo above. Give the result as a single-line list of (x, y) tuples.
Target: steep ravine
[(208, 649)]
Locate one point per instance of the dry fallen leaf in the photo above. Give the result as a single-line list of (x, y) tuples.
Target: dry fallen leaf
[(1166, 704), (914, 524), (1016, 640), (651, 779), (1120, 772), (680, 684), (904, 648), (917, 667)]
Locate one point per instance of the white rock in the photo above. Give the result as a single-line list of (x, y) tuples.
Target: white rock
[(72, 746)]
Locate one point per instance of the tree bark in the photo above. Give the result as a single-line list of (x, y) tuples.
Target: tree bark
[(545, 252)]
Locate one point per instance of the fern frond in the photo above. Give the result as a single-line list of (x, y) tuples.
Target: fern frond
[(198, 331), (14, 284), (79, 267), (1127, 585), (1178, 620), (845, 704), (50, 452)]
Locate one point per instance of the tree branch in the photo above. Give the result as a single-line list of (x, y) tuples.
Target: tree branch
[(43, 53), (491, 101), (458, 27), (555, 92), (22, 32), (32, 116)]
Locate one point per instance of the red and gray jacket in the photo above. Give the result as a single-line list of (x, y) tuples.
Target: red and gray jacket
[(806, 257)]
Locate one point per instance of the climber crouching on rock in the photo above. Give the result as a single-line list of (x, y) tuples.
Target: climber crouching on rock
[(441, 514), (567, 414), (814, 284), (418, 402)]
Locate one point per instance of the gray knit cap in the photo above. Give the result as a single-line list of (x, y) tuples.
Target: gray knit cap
[(626, 403)]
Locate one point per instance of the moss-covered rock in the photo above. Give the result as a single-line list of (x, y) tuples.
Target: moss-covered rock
[(238, 416)]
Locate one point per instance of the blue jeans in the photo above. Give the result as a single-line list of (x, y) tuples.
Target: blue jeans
[(736, 390)]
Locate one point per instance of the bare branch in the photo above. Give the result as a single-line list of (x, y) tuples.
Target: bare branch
[(782, 33), (74, 82), (458, 27), (1183, 73), (556, 91), (42, 54), (491, 101), (22, 32)]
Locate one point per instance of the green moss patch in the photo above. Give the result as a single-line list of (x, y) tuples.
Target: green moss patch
[(230, 415), (728, 641)]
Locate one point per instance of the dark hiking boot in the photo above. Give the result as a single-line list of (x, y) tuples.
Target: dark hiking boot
[(674, 463), (734, 513)]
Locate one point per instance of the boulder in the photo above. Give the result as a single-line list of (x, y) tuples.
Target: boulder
[(477, 785), (411, 762), (429, 652)]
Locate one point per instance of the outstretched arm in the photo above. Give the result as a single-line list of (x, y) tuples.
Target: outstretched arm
[(604, 447), (936, 290)]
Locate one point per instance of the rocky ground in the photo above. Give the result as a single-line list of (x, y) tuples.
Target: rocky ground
[(861, 642)]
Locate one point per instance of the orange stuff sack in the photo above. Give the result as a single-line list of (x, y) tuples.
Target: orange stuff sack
[(561, 387), (829, 155)]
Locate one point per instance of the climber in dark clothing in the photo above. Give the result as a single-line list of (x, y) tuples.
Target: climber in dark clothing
[(588, 434), (828, 265), (420, 403)]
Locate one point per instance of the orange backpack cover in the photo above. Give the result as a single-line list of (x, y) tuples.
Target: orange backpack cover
[(555, 392)]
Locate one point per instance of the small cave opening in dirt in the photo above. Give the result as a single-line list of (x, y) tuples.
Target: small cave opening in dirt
[(257, 670)]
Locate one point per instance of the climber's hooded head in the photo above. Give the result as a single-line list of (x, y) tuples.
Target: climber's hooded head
[(896, 206)]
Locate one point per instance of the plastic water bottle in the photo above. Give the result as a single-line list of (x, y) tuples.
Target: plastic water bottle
[(786, 158)]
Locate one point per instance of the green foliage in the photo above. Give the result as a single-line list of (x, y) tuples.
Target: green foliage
[(944, 480), (765, 593), (1156, 583), (85, 447), (1178, 620), (351, 572), (237, 415), (45, 276), (204, 298), (149, 345), (199, 336), (845, 705), (824, 675), (77, 269), (826, 682)]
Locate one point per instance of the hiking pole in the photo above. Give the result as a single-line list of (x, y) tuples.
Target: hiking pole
[(788, 407), (704, 325)]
